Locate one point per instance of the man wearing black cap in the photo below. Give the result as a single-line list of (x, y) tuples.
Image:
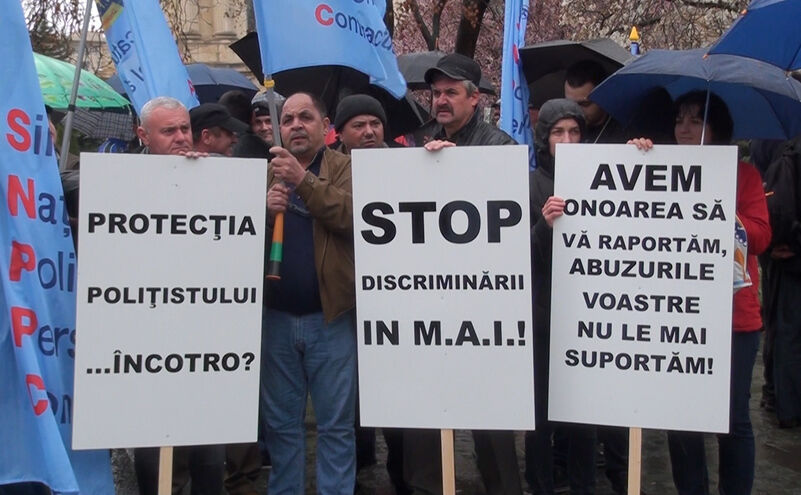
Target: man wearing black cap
[(360, 121), (454, 91), (214, 130)]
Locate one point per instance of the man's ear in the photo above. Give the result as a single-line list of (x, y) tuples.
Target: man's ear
[(474, 98), (142, 133)]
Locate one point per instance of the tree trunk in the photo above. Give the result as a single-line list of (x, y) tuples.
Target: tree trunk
[(470, 26), (389, 18)]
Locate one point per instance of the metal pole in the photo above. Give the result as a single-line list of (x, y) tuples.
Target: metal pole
[(277, 247), (706, 115), (65, 140)]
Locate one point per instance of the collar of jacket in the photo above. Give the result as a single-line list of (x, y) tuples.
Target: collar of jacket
[(465, 129)]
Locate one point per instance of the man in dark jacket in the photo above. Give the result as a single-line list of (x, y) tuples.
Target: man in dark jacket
[(781, 275), (454, 89), (454, 93), (560, 121), (360, 122), (580, 79)]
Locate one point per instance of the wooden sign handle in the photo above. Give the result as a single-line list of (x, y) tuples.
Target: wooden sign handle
[(165, 471), (635, 460), (448, 471)]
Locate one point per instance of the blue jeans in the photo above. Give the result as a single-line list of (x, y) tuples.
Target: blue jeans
[(687, 455), (303, 355)]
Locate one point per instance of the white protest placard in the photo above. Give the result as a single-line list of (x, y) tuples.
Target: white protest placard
[(642, 286), (170, 270), (443, 289)]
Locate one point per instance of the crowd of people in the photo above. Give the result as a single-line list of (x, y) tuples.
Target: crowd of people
[(308, 333)]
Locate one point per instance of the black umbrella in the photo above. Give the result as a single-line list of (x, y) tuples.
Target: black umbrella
[(210, 82), (331, 83), (413, 66), (547, 88), (556, 56)]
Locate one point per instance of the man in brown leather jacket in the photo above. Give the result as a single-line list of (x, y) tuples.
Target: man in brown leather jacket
[(309, 342)]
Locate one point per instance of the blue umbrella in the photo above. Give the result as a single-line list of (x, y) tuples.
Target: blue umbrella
[(768, 30), (763, 100), (209, 82)]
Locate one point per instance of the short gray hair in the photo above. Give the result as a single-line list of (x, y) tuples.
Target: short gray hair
[(167, 102), (469, 86)]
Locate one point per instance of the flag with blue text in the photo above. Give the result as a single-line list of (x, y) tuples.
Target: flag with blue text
[(514, 89), (144, 51), (307, 33), (37, 290)]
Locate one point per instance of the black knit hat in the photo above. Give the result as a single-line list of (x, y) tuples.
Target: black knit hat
[(353, 105)]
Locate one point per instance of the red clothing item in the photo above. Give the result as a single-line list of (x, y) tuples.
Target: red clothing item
[(753, 212)]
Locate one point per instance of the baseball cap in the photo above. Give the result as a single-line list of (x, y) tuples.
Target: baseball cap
[(260, 105), (455, 66), (208, 115)]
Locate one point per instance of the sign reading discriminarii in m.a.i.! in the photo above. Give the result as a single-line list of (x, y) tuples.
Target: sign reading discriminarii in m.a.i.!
[(443, 287), (642, 286), (170, 271)]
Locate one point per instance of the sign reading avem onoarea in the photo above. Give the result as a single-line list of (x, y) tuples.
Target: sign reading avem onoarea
[(643, 263)]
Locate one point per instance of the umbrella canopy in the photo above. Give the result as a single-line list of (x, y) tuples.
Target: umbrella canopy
[(763, 100), (210, 82), (556, 56), (100, 111), (413, 66), (331, 83), (104, 124), (768, 30), (55, 79)]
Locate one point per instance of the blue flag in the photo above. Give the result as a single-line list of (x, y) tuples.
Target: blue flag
[(37, 290), (514, 89), (144, 51), (307, 33)]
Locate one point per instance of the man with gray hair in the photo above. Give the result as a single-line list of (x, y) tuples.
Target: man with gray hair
[(165, 127), (454, 94), (166, 130)]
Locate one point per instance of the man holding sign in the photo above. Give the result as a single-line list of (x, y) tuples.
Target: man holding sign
[(166, 130), (454, 89)]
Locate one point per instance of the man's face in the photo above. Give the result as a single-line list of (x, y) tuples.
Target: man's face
[(362, 131), (564, 131), (302, 127), (451, 104), (593, 114), (262, 126), (167, 131), (218, 140)]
